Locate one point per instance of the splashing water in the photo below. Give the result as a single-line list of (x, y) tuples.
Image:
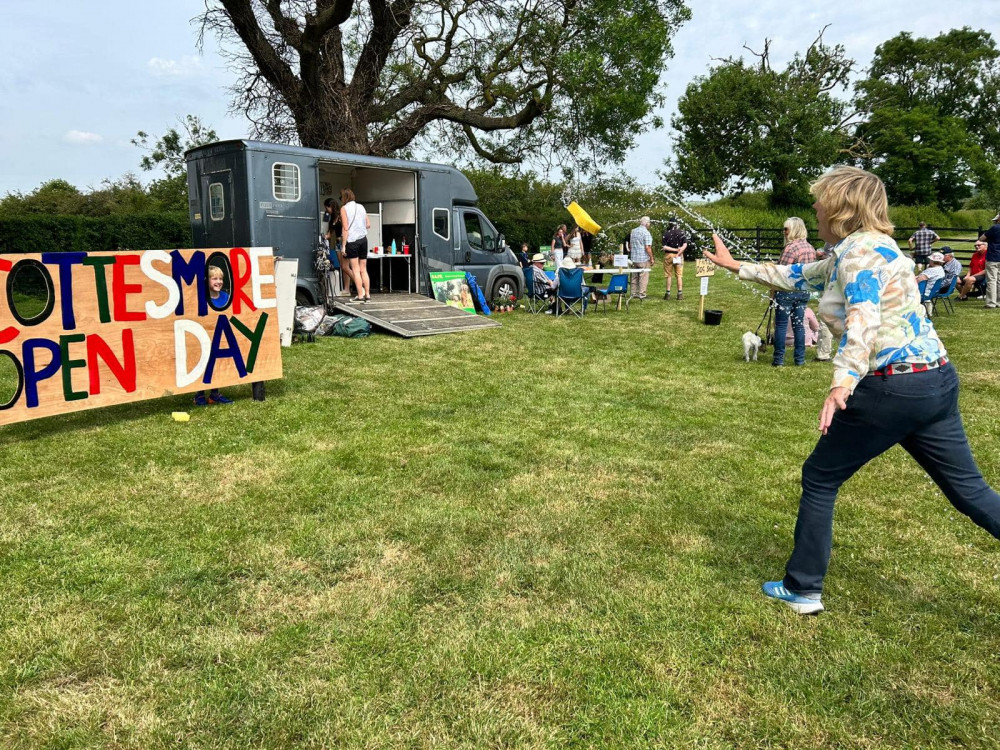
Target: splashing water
[(680, 206)]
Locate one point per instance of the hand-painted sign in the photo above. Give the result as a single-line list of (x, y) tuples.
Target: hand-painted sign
[(128, 326), (704, 267)]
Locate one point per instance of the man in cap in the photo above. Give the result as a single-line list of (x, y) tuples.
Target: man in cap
[(952, 266), (992, 237), (931, 274), (920, 243)]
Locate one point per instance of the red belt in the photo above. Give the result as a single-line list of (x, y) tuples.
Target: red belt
[(904, 368)]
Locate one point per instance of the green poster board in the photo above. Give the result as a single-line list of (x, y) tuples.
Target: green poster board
[(451, 288)]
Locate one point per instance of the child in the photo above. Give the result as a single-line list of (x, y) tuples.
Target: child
[(219, 299)]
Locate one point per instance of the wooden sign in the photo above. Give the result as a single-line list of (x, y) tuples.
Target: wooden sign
[(704, 267), (111, 328)]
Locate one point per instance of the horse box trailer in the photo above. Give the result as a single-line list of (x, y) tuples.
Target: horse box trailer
[(253, 194)]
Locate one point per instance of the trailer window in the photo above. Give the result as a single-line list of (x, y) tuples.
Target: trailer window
[(441, 223), (216, 202), (285, 181)]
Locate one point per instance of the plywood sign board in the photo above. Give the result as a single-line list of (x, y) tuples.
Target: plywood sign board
[(111, 328), (704, 267)]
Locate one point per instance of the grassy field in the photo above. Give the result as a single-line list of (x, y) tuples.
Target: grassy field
[(548, 534)]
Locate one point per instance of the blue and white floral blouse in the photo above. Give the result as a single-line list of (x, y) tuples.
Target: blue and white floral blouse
[(870, 298)]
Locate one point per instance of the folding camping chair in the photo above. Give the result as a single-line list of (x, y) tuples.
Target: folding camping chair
[(535, 303), (945, 297), (618, 284), (570, 294)]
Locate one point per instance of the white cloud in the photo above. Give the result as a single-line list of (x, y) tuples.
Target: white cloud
[(189, 65), (82, 137)]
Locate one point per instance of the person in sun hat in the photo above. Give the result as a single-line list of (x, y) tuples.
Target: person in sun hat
[(892, 381), (542, 284)]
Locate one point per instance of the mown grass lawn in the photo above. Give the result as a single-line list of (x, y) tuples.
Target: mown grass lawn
[(547, 534)]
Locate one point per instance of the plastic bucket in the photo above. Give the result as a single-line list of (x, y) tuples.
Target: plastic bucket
[(713, 317)]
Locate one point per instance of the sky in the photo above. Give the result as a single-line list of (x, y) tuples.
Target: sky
[(79, 80)]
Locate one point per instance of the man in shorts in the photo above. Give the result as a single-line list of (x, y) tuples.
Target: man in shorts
[(674, 243), (921, 242)]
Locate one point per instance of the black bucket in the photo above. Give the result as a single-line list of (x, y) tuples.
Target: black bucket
[(713, 317)]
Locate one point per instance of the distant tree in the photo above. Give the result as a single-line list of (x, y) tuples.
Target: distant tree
[(52, 197), (167, 153), (750, 126), (930, 122), (504, 80)]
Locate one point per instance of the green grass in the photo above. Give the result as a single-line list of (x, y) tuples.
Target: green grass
[(547, 534)]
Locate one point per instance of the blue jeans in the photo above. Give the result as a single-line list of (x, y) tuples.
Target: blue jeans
[(919, 411), (790, 304)]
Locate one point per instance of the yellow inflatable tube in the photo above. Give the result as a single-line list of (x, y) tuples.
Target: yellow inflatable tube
[(582, 218)]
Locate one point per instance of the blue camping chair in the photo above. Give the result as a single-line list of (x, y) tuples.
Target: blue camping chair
[(535, 303), (618, 284), (927, 292), (570, 294), (944, 296)]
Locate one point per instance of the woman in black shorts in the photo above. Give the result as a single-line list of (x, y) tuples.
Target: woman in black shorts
[(355, 223)]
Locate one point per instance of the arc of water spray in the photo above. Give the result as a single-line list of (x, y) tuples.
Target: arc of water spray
[(732, 242)]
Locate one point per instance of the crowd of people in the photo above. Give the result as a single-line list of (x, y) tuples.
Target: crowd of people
[(795, 324)]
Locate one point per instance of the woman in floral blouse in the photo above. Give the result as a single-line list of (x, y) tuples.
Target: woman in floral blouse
[(892, 382)]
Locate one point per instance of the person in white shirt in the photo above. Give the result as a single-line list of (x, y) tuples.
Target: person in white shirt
[(355, 221)]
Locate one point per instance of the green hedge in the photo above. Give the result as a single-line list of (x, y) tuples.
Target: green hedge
[(40, 234)]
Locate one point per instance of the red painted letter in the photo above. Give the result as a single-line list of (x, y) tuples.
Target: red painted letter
[(241, 277), (120, 290), (123, 371)]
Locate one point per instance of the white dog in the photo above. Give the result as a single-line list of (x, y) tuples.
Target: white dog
[(751, 343)]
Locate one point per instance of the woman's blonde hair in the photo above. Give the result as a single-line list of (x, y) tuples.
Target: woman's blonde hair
[(853, 199), (796, 228), (346, 195)]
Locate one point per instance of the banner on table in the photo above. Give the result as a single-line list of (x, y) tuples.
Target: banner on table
[(451, 288), (96, 329)]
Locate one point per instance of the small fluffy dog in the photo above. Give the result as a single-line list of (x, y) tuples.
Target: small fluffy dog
[(751, 343)]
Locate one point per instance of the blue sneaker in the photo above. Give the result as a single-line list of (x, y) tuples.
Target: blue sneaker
[(218, 398), (803, 604), (200, 400)]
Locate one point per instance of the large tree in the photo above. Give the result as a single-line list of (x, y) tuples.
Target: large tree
[(508, 78), (750, 125), (930, 116)]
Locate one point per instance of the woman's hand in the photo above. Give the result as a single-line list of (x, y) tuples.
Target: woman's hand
[(836, 400), (722, 256)]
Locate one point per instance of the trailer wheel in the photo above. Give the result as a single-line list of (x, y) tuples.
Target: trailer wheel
[(505, 286), (302, 297)]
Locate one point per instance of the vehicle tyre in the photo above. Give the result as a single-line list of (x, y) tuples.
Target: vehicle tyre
[(505, 286), (302, 297)]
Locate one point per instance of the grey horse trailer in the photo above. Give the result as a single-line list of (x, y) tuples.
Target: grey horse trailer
[(253, 194)]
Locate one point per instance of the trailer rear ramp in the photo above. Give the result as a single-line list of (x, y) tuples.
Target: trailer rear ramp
[(412, 315)]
